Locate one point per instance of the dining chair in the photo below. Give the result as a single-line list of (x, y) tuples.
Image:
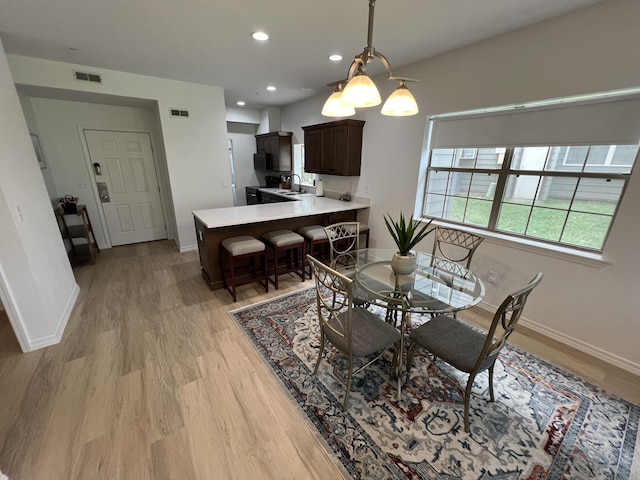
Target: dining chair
[(455, 245), (466, 348), (344, 245), (356, 332)]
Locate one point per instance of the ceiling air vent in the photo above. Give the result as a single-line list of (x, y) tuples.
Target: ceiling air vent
[(87, 77), (179, 113)]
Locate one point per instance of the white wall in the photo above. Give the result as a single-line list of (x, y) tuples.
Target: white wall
[(243, 115), (32, 125), (196, 149), (593, 307), (59, 121), (270, 120), (244, 146), (37, 286)]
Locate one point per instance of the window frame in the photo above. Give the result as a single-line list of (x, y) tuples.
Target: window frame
[(504, 171), (298, 167)]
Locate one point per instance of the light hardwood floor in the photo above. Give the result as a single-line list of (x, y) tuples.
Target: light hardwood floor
[(153, 380)]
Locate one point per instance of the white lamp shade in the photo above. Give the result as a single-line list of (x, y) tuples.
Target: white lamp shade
[(361, 92), (334, 107), (400, 103)]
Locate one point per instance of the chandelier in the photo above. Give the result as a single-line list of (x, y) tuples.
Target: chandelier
[(359, 91)]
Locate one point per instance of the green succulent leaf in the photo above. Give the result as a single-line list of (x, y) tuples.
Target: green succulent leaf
[(405, 234)]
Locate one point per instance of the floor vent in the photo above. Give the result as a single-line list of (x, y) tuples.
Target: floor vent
[(87, 77), (179, 113)]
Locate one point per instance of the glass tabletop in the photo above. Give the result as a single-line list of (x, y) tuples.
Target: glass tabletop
[(436, 286)]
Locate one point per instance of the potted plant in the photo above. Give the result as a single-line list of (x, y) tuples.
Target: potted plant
[(406, 235), (69, 203)]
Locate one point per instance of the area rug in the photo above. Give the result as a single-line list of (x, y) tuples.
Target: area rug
[(544, 424)]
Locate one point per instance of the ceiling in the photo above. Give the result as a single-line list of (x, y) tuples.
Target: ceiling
[(208, 41)]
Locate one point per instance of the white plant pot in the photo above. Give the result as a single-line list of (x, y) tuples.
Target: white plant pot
[(403, 264)]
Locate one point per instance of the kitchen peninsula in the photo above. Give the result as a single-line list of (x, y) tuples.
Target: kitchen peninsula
[(216, 224)]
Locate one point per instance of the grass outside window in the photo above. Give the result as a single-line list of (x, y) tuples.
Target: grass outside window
[(566, 195), (585, 225)]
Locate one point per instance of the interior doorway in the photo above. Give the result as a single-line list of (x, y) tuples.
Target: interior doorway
[(123, 167), (233, 173)]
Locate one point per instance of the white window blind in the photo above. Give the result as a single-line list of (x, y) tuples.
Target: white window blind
[(609, 119)]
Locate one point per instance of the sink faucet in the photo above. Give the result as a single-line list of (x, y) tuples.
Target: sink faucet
[(299, 181)]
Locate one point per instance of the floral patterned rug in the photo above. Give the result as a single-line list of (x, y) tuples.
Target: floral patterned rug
[(544, 424)]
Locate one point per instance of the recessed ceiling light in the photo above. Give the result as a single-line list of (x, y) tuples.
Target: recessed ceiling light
[(335, 57), (241, 103), (261, 36), (271, 88)]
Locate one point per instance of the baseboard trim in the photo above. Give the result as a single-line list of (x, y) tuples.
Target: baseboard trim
[(569, 341), (62, 323), (188, 248)]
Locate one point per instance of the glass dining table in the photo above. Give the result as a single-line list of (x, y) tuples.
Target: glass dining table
[(436, 286)]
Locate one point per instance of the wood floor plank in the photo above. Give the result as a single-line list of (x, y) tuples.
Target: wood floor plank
[(171, 457), (96, 460), (154, 380), (63, 426)]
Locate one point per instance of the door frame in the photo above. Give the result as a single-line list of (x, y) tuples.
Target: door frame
[(158, 162)]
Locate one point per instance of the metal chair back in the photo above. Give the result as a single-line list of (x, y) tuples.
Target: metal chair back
[(455, 245)]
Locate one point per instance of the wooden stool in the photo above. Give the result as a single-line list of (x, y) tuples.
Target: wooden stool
[(235, 249), (364, 230), (292, 245), (316, 237)]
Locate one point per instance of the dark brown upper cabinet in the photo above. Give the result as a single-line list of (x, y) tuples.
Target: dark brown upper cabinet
[(333, 148), (279, 145)]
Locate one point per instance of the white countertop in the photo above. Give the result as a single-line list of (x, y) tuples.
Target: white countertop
[(303, 205)]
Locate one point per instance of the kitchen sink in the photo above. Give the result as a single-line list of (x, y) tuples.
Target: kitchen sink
[(288, 192)]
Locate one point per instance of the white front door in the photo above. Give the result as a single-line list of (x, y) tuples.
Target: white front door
[(124, 161)]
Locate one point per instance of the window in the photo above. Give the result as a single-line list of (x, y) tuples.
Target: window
[(307, 179), (534, 192), (468, 153), (553, 172)]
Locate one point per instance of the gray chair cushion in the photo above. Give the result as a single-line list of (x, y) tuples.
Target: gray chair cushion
[(370, 333), (282, 238), (313, 232), (363, 227), (433, 304), (242, 245), (451, 340)]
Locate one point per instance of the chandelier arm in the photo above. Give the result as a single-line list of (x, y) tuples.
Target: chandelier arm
[(357, 62), (385, 62), (403, 79)]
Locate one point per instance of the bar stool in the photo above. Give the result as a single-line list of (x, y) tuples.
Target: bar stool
[(292, 245), (235, 249), (315, 237), (364, 231)]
